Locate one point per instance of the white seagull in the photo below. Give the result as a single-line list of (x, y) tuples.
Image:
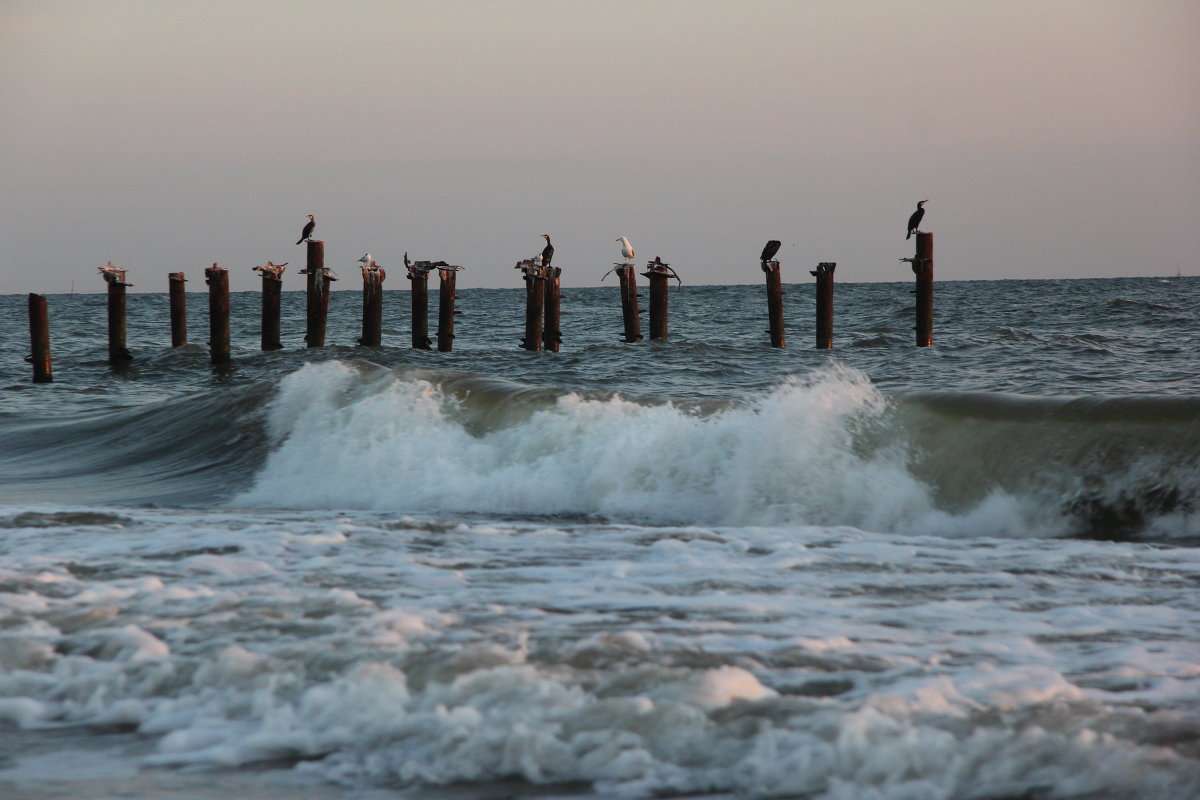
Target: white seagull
[(626, 248)]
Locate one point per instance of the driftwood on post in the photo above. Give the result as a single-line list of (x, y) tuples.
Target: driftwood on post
[(115, 278), (373, 276), (272, 285)]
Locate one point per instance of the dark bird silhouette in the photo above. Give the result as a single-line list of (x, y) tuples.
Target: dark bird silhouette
[(770, 250), (547, 251), (308, 229), (914, 222)]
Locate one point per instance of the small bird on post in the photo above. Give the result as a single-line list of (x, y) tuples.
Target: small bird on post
[(308, 229), (626, 249), (914, 222), (769, 251), (547, 251)]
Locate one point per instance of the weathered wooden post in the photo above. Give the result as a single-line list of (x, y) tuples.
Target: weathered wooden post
[(372, 314), (658, 272), (272, 286), (176, 281), (317, 294), (535, 301), (631, 315), (418, 273), (922, 265), (552, 327), (824, 276), (217, 278), (774, 302), (115, 277), (39, 339), (447, 288)]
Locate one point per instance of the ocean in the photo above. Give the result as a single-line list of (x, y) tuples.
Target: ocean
[(702, 568)]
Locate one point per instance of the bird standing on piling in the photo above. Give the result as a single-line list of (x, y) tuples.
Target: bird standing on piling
[(367, 259), (308, 229), (769, 251), (626, 248), (547, 251), (914, 221)]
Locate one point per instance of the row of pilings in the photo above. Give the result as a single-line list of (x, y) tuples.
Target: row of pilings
[(542, 300)]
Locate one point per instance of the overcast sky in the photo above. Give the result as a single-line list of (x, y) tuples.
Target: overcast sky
[(1056, 139)]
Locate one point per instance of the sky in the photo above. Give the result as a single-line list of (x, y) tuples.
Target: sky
[(1052, 139)]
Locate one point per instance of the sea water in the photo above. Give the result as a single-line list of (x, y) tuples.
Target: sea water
[(695, 568)]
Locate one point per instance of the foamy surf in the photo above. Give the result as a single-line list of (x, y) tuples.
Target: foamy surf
[(809, 452)]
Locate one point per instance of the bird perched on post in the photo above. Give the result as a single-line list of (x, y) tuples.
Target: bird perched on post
[(626, 248), (367, 259), (308, 229), (547, 251), (914, 222), (769, 251)]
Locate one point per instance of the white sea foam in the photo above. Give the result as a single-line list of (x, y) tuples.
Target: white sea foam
[(813, 451)]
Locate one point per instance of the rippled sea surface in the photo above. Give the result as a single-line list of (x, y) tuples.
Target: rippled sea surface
[(701, 568)]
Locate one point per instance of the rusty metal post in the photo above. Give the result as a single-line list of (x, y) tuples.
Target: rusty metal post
[(39, 339), (447, 287), (630, 313), (372, 312), (217, 279), (923, 268), (272, 287), (115, 277), (774, 302), (552, 327), (535, 301), (420, 307), (824, 276), (317, 294), (176, 281), (658, 272)]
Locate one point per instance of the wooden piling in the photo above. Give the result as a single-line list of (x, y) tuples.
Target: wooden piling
[(552, 328), (272, 288), (419, 275), (217, 279), (535, 301), (824, 276), (630, 313), (115, 277), (317, 294), (178, 294), (923, 268), (447, 286), (774, 302), (39, 339), (372, 313), (658, 274)]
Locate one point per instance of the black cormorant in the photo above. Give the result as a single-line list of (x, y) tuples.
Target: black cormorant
[(547, 251), (914, 222), (308, 229), (770, 250)]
